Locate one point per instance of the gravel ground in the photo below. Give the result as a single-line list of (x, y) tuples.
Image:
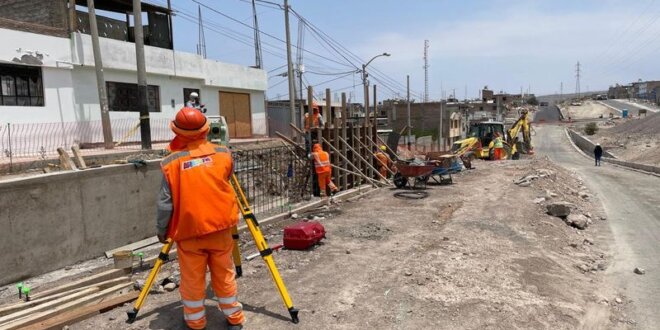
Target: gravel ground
[(635, 140), (479, 254)]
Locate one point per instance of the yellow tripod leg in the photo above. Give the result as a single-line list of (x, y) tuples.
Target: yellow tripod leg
[(262, 246), (236, 252), (162, 257)]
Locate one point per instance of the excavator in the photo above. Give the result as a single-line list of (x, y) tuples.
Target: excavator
[(479, 144)]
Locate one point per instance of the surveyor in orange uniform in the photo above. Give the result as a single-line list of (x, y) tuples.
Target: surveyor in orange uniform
[(197, 208), (323, 170), (384, 161)]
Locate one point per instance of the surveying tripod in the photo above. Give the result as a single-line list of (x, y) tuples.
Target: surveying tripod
[(260, 241)]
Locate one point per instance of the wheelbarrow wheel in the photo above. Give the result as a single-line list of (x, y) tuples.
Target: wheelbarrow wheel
[(399, 180)]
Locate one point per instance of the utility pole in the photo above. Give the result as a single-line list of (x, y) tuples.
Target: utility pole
[(577, 79), (201, 46), (441, 144), (408, 105), (426, 71), (143, 105), (365, 84), (100, 79), (561, 91), (257, 39), (289, 62)]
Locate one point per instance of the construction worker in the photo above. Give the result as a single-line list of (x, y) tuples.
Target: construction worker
[(193, 102), (499, 147), (197, 208), (323, 171), (384, 161), (315, 120)]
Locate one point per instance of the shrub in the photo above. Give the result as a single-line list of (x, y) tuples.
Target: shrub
[(591, 128)]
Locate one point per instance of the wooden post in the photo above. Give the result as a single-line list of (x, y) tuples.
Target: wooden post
[(369, 165), (142, 95), (343, 135), (73, 18), (76, 153), (65, 160), (373, 155), (349, 163)]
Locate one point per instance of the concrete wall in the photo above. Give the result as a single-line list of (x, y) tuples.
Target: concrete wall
[(588, 147), (58, 219), (38, 16)]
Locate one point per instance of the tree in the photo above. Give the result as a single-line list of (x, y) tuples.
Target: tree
[(591, 128), (532, 100)]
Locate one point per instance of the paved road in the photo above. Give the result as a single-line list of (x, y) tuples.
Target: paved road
[(548, 113), (632, 203), (632, 109)]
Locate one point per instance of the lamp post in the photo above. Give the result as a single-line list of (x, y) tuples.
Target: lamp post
[(365, 83)]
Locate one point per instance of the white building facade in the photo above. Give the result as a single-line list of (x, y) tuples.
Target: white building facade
[(51, 80)]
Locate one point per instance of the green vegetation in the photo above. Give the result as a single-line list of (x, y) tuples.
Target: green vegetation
[(591, 128)]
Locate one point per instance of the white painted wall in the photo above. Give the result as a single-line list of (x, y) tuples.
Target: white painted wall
[(69, 78)]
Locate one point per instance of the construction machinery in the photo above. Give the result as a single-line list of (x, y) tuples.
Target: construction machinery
[(479, 143)]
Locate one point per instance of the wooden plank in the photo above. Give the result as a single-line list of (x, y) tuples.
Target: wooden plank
[(335, 135), (367, 165), (133, 246), (11, 308), (77, 315), (61, 308), (352, 165), (106, 275), (286, 139), (49, 305), (343, 135), (76, 154), (65, 160)]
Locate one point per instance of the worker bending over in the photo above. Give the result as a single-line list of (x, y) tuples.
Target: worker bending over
[(323, 171), (384, 161), (197, 208)]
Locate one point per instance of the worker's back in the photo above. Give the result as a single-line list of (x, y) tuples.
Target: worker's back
[(203, 199)]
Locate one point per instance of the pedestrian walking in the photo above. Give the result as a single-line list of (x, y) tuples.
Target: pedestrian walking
[(598, 153)]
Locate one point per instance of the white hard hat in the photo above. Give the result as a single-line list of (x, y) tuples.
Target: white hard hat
[(194, 95)]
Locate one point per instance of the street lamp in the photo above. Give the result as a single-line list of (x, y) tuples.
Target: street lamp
[(365, 84)]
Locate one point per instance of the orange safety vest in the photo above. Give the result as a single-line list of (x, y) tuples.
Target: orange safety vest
[(203, 199), (312, 121), (321, 161)]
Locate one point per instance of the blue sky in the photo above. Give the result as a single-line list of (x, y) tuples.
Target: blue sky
[(503, 44)]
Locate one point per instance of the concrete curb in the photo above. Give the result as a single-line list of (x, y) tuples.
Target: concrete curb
[(641, 168)]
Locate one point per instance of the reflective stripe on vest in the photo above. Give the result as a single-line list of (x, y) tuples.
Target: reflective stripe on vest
[(174, 156), (317, 161), (194, 316)]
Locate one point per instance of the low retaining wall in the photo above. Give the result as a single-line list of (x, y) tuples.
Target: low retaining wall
[(585, 144), (588, 148), (54, 220)]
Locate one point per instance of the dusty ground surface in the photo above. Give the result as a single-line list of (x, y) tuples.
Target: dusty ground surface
[(479, 254), (636, 140), (588, 109)]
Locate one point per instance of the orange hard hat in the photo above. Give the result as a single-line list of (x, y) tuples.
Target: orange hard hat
[(189, 122)]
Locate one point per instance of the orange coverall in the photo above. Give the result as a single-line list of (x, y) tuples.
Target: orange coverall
[(384, 162), (197, 208), (323, 169)]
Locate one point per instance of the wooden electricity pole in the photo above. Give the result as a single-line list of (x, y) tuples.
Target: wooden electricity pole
[(100, 79), (289, 63), (145, 129)]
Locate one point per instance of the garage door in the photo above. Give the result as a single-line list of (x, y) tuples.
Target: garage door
[(236, 109)]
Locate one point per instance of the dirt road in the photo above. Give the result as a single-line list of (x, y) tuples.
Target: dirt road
[(632, 203), (478, 254)]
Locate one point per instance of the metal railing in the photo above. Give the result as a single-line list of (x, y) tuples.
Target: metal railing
[(41, 140), (274, 178)]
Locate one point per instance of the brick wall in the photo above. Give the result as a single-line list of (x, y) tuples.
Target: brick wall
[(36, 16)]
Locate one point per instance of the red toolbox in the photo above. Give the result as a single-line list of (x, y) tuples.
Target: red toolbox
[(303, 235)]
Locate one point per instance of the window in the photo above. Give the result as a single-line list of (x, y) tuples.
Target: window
[(21, 86), (124, 97), (186, 94)]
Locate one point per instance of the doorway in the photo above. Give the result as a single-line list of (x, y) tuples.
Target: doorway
[(235, 107)]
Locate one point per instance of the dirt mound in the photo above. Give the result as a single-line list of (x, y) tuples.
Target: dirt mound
[(648, 125)]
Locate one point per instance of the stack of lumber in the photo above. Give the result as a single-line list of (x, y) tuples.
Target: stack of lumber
[(72, 302)]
